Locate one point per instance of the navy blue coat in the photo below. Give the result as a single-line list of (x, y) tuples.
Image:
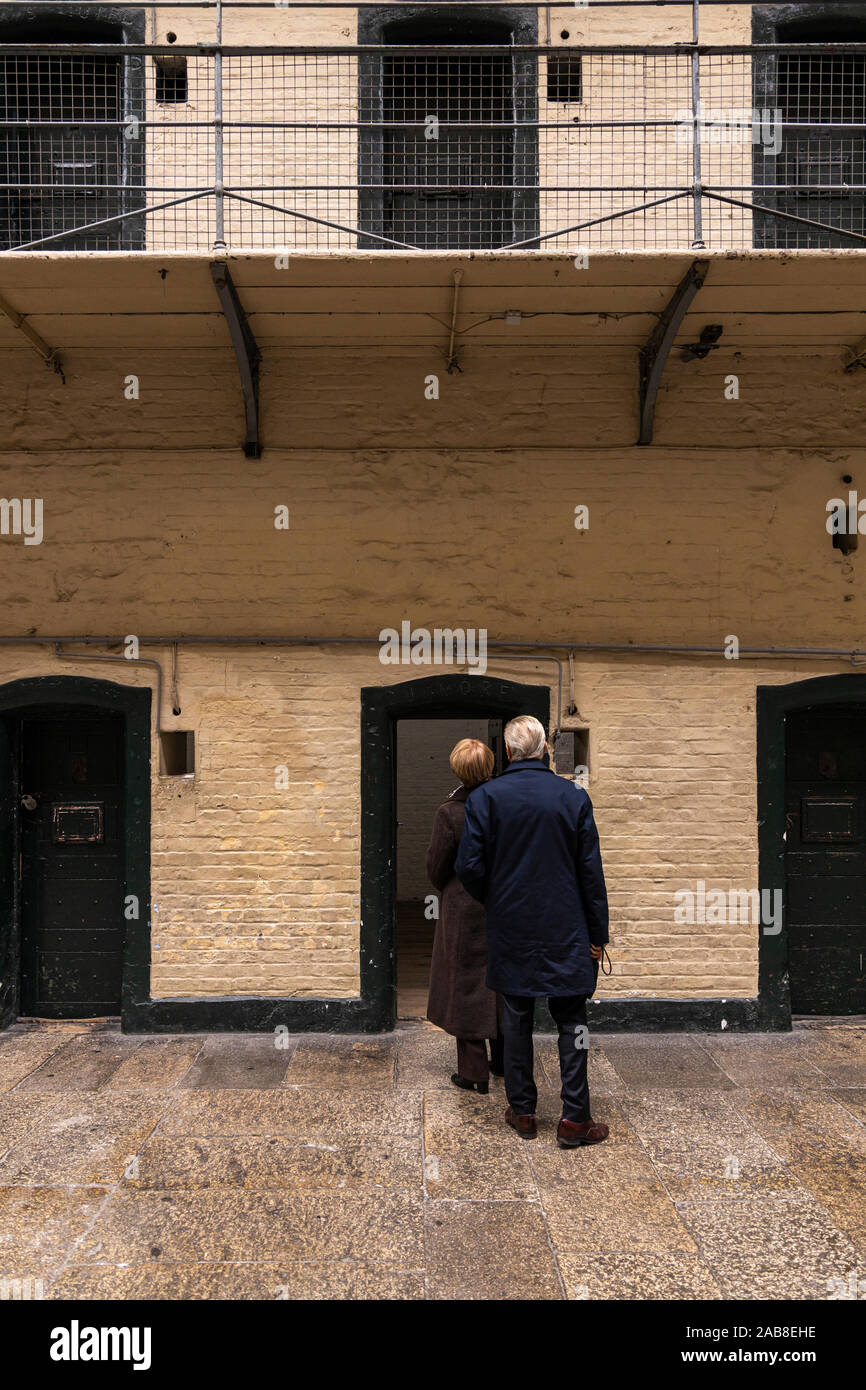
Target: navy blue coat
[(529, 851)]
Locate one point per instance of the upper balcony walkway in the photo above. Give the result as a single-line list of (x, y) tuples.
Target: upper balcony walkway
[(481, 125)]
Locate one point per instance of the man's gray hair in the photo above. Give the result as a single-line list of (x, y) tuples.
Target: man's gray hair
[(525, 737)]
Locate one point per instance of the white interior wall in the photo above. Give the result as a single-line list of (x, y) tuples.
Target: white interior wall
[(424, 781)]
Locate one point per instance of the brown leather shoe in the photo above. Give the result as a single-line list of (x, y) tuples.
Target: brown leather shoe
[(571, 1135), (524, 1124)]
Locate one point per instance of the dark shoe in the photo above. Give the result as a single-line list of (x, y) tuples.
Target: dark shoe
[(494, 1071), (482, 1087), (524, 1124), (571, 1135)]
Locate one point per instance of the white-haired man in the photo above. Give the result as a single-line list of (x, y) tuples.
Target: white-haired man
[(529, 851)]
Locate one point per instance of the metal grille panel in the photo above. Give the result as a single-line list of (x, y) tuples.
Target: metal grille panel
[(434, 145)]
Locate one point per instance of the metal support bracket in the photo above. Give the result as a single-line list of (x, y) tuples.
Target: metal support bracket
[(654, 354), (50, 356), (246, 351)]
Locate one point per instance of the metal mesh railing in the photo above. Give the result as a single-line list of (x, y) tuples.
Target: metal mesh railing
[(451, 145)]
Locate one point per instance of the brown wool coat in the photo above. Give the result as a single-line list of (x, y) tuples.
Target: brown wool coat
[(459, 1000)]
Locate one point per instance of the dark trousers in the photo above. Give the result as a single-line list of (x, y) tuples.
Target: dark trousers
[(569, 1014)]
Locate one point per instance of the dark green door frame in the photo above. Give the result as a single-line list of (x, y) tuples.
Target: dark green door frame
[(430, 697), (774, 703), (38, 696)]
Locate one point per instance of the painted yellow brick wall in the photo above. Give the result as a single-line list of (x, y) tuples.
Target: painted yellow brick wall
[(255, 891), (150, 531)]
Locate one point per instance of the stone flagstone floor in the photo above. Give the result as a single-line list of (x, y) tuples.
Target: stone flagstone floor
[(222, 1167)]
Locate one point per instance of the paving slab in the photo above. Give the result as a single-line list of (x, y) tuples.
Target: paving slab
[(839, 1053), (795, 1123), (156, 1065), (469, 1152), (489, 1250), (303, 1113), (603, 1078), (836, 1178), (700, 1145), (40, 1227), (83, 1063), (19, 1114), (645, 1277), (774, 1060), (385, 1164), (331, 1280), (353, 1064), (222, 1166), (221, 1224), (24, 1052), (772, 1247), (606, 1109), (606, 1202), (83, 1138), (853, 1098), (663, 1061), (425, 1058), (240, 1062)]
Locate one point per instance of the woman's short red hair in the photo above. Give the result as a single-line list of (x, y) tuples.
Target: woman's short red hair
[(472, 761)]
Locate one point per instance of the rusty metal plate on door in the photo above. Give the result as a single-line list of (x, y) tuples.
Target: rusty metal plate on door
[(76, 824), (828, 818)]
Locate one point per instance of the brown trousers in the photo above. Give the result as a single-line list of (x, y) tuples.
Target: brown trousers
[(472, 1063)]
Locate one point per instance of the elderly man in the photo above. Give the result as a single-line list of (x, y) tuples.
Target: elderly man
[(529, 851)]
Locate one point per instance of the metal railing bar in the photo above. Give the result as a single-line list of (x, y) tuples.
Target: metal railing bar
[(107, 221), (572, 125), (593, 222), (322, 221), (397, 4), (207, 49), (786, 216), (571, 188)]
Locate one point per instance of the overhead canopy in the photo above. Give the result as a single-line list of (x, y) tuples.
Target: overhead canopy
[(146, 299)]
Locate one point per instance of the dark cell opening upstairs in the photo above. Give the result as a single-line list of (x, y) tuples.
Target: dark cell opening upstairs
[(820, 98), (456, 162), (69, 165)]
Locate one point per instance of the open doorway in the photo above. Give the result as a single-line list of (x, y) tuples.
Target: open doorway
[(456, 706), (424, 781)]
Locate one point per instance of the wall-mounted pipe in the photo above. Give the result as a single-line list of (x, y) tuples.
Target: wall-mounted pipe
[(128, 661), (689, 649), (855, 655)]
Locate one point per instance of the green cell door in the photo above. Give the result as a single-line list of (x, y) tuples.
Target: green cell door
[(72, 866), (826, 859)]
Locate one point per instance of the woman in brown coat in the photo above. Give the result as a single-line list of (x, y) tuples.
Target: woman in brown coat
[(459, 1000)]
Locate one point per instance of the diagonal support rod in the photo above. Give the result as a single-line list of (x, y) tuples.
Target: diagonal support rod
[(246, 351), (50, 356), (654, 354)]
